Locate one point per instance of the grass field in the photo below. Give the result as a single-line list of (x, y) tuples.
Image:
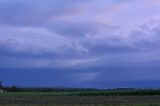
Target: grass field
[(77, 99)]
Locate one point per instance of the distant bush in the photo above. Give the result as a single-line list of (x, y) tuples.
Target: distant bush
[(1, 86), (25, 89), (88, 91)]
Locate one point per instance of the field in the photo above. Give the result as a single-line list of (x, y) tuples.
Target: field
[(77, 99)]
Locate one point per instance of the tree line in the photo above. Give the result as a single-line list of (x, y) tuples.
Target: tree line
[(84, 91)]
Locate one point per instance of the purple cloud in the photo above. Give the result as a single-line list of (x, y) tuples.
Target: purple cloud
[(98, 41)]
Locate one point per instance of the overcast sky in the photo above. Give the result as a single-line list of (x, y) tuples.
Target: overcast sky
[(80, 43)]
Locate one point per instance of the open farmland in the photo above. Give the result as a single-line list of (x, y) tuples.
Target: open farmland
[(76, 99)]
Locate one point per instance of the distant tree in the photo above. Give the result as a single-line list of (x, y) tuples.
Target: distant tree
[(14, 89), (1, 85)]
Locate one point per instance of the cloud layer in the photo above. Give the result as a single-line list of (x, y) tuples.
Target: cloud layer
[(85, 42)]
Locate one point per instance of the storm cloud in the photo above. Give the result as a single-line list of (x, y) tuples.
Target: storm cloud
[(87, 43)]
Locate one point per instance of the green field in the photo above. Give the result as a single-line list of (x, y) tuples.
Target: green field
[(94, 98)]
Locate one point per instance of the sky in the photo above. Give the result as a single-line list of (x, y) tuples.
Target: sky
[(80, 43)]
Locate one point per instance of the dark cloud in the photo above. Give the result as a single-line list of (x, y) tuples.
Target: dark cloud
[(78, 43)]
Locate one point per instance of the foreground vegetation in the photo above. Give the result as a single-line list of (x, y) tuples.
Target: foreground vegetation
[(82, 98), (79, 100), (78, 97)]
